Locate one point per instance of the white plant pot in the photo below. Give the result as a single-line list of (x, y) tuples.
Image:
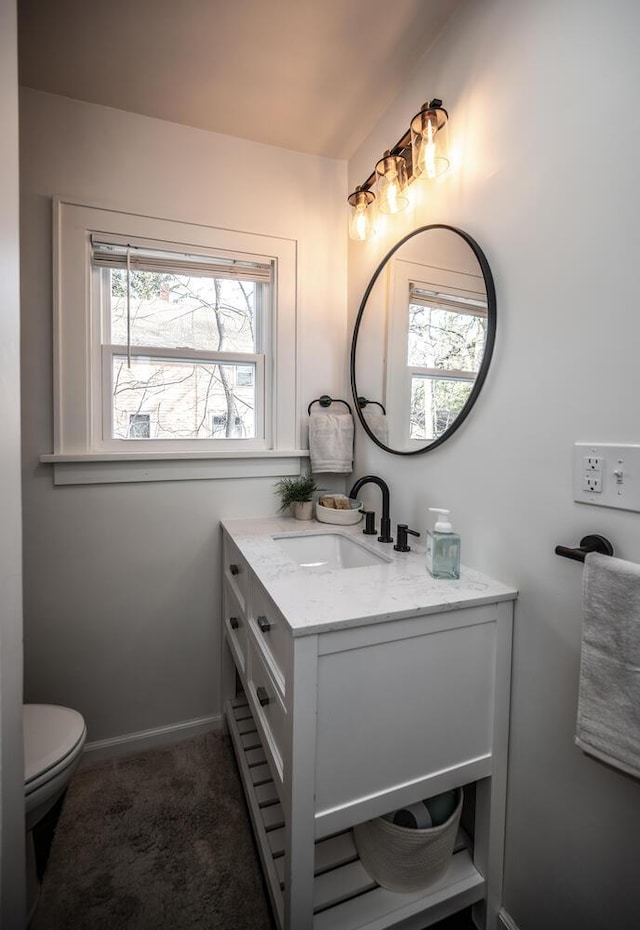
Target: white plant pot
[(302, 510)]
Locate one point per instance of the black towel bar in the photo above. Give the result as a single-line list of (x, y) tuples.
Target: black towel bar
[(591, 543), (325, 401)]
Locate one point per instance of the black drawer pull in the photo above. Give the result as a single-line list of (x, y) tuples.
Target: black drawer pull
[(234, 623), (263, 624), (234, 569), (262, 695)]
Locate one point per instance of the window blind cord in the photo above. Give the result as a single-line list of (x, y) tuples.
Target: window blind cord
[(128, 307)]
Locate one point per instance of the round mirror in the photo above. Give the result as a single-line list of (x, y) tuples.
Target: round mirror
[(423, 339)]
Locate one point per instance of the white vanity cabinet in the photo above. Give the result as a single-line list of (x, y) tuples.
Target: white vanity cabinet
[(363, 690)]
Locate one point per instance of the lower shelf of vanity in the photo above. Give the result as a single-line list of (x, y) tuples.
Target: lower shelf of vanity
[(345, 896)]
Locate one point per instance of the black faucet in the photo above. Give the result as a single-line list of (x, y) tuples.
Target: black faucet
[(385, 522)]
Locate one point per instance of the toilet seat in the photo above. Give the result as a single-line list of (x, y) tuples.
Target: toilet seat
[(53, 739)]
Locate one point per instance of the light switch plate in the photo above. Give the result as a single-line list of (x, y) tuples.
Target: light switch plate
[(607, 475)]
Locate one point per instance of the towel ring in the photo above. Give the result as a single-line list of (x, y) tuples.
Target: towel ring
[(363, 402), (325, 401), (591, 543)]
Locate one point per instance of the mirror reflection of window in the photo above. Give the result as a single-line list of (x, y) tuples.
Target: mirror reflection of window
[(437, 323), (446, 336)]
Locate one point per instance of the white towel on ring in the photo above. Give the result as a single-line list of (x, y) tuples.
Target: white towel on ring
[(331, 442), (608, 724), (378, 424)]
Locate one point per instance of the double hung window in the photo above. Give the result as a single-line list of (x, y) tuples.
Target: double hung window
[(172, 340), (184, 340)]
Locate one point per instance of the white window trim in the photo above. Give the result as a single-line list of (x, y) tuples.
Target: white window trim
[(75, 457)]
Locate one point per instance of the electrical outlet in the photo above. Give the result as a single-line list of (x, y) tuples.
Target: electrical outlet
[(592, 482), (607, 475)]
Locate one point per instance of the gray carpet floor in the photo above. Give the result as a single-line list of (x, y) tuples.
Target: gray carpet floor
[(156, 841), (159, 841)]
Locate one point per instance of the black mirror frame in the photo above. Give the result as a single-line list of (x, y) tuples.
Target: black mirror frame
[(488, 351)]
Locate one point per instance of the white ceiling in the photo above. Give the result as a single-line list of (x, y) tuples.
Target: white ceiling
[(308, 75)]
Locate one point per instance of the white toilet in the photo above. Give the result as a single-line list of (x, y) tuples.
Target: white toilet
[(53, 741)]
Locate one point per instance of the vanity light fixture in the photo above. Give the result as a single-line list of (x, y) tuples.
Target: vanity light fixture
[(422, 152)]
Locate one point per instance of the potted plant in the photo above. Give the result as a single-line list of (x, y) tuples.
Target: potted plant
[(295, 495)]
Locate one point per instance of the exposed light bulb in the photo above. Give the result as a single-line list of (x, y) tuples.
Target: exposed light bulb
[(429, 152), (392, 196), (360, 223), (361, 220), (391, 184)]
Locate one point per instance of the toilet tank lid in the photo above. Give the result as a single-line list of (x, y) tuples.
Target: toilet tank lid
[(51, 732)]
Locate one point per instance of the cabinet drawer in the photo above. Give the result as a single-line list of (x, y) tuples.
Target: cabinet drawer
[(271, 633), (235, 625), (268, 708), (236, 571)]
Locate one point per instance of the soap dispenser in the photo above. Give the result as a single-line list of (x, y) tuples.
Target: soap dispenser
[(443, 547)]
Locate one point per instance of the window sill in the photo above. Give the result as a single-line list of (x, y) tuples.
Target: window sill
[(131, 467)]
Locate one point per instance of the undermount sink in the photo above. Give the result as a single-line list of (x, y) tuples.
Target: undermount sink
[(328, 551)]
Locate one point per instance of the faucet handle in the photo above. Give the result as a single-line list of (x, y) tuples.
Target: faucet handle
[(401, 545), (369, 523)]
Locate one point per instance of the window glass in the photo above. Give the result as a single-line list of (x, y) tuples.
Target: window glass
[(435, 404), (183, 310), (450, 339), (139, 425), (180, 399), (446, 335), (244, 375), (180, 328)]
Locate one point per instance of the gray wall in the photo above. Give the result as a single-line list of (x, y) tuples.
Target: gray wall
[(12, 902), (122, 582), (542, 97)]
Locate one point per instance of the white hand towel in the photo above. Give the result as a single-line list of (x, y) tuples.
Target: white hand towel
[(608, 725), (331, 442), (378, 424)]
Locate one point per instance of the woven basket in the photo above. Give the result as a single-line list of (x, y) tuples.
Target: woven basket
[(404, 859)]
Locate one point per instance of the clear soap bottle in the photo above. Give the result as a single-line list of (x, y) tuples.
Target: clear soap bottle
[(443, 547)]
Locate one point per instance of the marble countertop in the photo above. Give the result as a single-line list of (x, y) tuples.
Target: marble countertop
[(316, 600)]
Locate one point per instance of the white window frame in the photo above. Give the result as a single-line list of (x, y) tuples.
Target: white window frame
[(80, 453)]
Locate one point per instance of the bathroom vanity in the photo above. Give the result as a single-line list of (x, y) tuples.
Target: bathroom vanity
[(354, 684)]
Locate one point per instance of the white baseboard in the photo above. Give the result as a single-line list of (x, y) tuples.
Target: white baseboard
[(118, 746), (505, 921)]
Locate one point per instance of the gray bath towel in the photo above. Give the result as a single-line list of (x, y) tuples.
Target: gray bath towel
[(608, 725)]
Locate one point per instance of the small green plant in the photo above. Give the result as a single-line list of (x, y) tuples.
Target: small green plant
[(291, 490)]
